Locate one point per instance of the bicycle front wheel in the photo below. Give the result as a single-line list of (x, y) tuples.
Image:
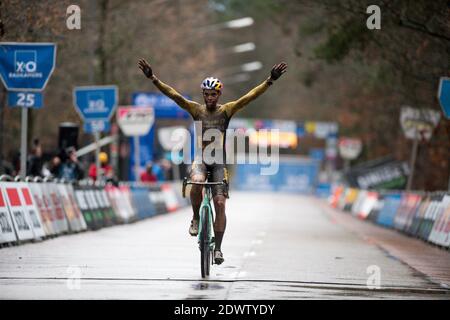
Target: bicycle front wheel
[(204, 243)]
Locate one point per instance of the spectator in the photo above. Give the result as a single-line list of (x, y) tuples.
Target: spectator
[(158, 170), (148, 175), (55, 166), (6, 168), (71, 169), (106, 169), (35, 163), (166, 165), (16, 163)]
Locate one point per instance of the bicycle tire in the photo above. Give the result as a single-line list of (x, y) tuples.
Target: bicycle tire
[(204, 244)]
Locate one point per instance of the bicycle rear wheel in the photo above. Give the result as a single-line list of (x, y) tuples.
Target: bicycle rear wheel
[(204, 243)]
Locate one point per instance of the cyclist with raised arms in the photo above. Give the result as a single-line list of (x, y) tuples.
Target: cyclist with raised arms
[(212, 116)]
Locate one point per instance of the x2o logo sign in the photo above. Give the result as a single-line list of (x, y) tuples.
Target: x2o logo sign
[(25, 61), (96, 102), (26, 66)]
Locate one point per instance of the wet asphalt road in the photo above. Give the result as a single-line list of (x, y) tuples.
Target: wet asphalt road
[(276, 247)]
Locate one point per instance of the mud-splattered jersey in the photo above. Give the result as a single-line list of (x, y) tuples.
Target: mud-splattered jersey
[(218, 118)]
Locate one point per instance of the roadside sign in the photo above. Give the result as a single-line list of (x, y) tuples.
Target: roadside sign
[(349, 148), (96, 105), (95, 102), (444, 96), (20, 218), (6, 225), (26, 66), (419, 123), (32, 211), (93, 126), (135, 121), (25, 99)]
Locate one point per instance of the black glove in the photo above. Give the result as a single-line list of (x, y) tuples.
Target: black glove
[(145, 67), (278, 70)]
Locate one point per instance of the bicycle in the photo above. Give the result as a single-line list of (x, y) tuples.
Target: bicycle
[(205, 236)]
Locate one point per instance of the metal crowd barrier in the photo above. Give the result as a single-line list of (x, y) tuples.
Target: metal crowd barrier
[(35, 209), (424, 215)]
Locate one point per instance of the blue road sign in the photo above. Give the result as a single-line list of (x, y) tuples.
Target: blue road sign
[(92, 126), (25, 99), (444, 96), (26, 66), (95, 102)]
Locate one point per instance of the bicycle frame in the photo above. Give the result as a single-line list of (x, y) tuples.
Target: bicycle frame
[(206, 203)]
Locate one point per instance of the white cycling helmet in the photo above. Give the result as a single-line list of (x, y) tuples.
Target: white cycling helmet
[(212, 84)]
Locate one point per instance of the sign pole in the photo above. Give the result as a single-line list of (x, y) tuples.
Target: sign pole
[(23, 143), (412, 162), (97, 153), (137, 158)]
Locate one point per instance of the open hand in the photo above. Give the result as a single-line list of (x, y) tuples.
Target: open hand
[(145, 67), (278, 70)]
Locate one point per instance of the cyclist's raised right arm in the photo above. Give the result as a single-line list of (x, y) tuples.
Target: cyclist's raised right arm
[(189, 106)]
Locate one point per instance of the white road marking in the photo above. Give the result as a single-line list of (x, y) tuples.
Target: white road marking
[(250, 254), (239, 274)]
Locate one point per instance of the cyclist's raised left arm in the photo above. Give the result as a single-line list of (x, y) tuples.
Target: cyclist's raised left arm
[(276, 72)]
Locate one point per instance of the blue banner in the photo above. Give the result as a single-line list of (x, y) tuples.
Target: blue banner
[(164, 107), (297, 176), (26, 66), (141, 200), (317, 154), (25, 99), (95, 102), (146, 147), (444, 96), (387, 213)]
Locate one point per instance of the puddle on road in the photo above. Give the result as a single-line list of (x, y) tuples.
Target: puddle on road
[(207, 286), (199, 297), (204, 286)]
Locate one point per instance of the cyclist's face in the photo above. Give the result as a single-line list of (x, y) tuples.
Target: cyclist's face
[(211, 97)]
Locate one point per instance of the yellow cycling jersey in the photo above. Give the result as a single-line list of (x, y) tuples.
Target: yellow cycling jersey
[(218, 118), (199, 111)]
